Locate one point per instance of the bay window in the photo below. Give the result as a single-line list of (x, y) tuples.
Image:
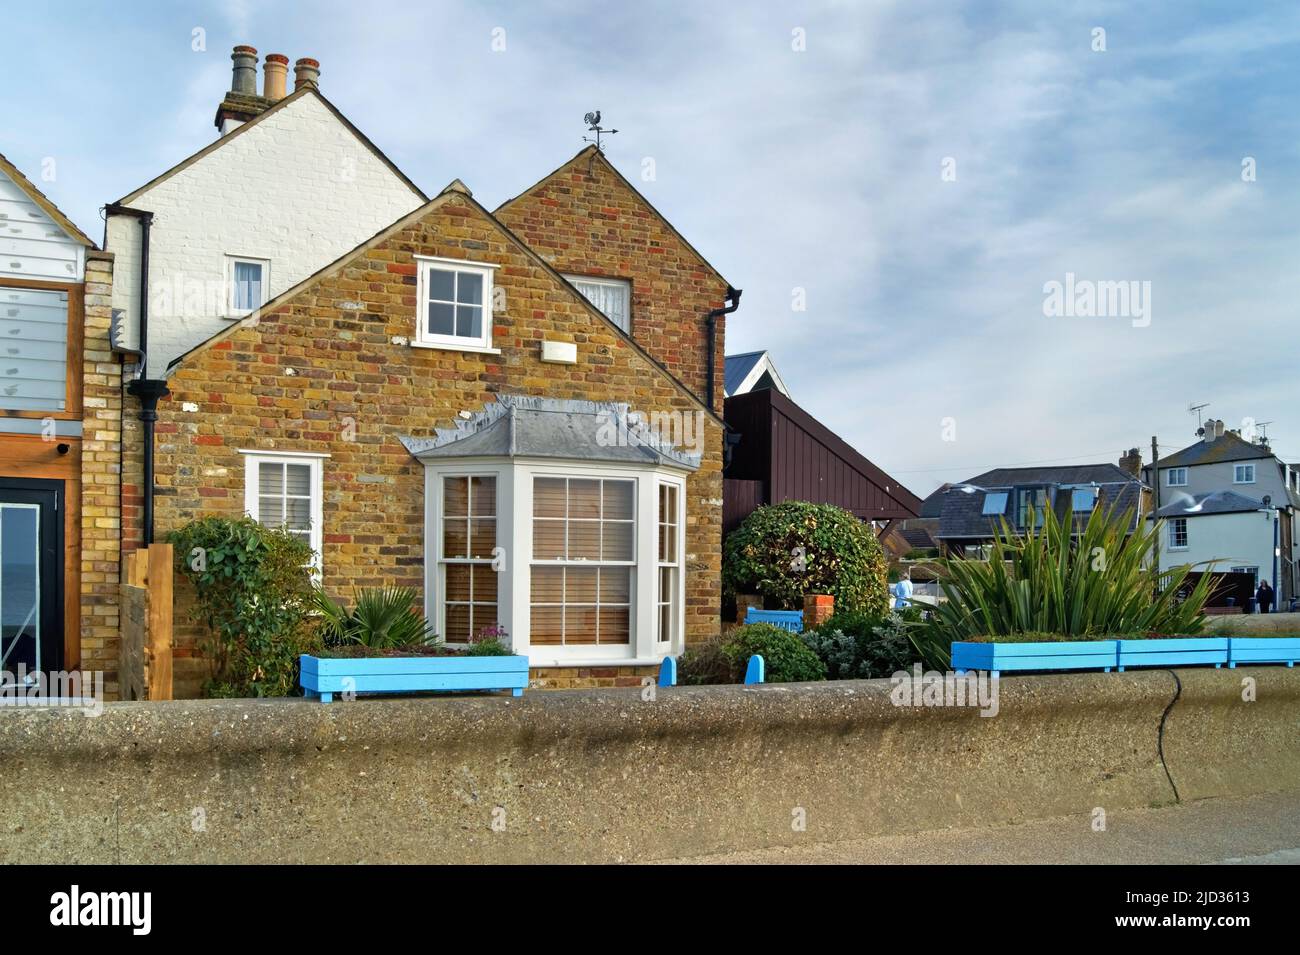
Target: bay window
[(579, 564)]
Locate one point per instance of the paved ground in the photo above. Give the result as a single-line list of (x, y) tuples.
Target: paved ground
[(1253, 830)]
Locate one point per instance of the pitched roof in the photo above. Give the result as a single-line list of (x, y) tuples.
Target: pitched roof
[(45, 205), (1226, 447), (1072, 474), (542, 427), (961, 506), (244, 127), (1213, 502), (741, 372), (593, 154), (455, 189)]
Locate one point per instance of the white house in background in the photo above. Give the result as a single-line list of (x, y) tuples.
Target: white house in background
[(1232, 501), (288, 187), (751, 371), (1233, 531)]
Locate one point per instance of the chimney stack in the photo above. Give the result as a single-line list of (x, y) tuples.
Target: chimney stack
[(1131, 462), (244, 80), (306, 72), (275, 70)]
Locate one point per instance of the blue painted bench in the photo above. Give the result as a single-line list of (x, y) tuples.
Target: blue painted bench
[(1174, 651), (791, 620), (322, 677), (1263, 650), (1065, 655)]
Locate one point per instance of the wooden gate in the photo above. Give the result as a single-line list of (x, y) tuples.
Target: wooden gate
[(145, 664)]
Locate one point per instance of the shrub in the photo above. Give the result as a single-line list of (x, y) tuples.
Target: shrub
[(1097, 585), (705, 664), (382, 618), (253, 588), (787, 658), (784, 551), (491, 641), (858, 646)]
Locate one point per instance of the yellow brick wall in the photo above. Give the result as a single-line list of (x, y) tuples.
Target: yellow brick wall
[(586, 219), (101, 447)]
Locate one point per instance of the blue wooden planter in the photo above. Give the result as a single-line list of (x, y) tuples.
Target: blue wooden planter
[(324, 676), (1065, 655), (1187, 651), (1263, 650)]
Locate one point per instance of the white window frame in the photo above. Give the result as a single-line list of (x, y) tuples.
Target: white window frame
[(253, 459), (1169, 477), (622, 285), (264, 264), (443, 560), (1173, 528), (422, 338), (1239, 469), (678, 564), (515, 535)]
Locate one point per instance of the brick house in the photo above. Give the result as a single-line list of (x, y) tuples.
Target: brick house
[(438, 406)]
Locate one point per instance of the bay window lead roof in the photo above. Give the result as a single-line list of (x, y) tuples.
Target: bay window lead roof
[(540, 427)]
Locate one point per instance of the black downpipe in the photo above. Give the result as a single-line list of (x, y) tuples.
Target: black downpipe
[(733, 296), (147, 390)]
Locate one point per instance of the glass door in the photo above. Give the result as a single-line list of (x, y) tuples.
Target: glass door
[(31, 579)]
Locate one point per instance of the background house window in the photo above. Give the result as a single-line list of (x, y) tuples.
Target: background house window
[(1083, 498), (995, 503), (1243, 474), (1030, 505), (284, 491), (248, 278), (1253, 571), (584, 533), (669, 559), (34, 329), (1176, 477), (1178, 533), (469, 537), (611, 296), (455, 304)]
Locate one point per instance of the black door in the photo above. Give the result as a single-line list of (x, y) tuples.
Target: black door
[(31, 578)]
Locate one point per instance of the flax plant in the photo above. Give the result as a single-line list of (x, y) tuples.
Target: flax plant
[(1096, 584)]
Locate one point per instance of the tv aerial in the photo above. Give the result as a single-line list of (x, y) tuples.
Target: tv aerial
[(592, 120), (1196, 410)]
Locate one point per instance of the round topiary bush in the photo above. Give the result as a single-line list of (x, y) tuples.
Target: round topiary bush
[(785, 551)]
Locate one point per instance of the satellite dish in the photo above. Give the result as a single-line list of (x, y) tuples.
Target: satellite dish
[(592, 119)]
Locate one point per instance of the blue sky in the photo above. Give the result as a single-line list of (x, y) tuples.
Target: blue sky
[(924, 341)]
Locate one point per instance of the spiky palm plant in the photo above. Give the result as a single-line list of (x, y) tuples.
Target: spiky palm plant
[(1100, 584), (383, 618)]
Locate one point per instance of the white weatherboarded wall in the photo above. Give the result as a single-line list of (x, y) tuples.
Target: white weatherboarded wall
[(297, 188), (34, 322), (32, 245)]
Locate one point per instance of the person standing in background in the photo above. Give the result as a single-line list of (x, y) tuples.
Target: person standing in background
[(903, 590), (1264, 596)]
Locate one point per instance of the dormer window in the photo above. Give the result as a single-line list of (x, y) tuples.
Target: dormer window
[(455, 304), (612, 296)]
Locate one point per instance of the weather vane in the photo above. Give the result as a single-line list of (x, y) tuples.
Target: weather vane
[(592, 120)]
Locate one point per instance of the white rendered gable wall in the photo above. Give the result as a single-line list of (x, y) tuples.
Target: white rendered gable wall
[(298, 189)]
